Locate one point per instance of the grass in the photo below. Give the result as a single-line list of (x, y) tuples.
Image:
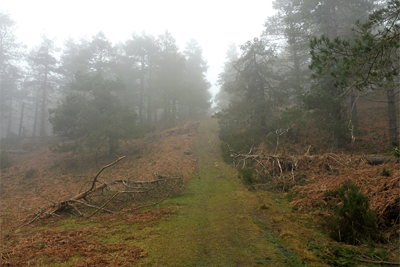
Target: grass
[(213, 223), (216, 221)]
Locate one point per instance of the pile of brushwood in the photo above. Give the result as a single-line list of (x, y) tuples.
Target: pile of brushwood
[(358, 196)]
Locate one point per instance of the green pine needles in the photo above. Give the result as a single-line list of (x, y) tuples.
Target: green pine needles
[(246, 175), (5, 160), (354, 220)]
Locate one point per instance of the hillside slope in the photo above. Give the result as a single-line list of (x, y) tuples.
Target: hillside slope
[(214, 221)]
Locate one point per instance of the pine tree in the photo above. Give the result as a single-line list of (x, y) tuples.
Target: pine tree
[(369, 60), (196, 97), (91, 115), (11, 53)]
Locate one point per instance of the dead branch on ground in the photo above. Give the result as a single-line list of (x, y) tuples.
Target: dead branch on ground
[(118, 195)]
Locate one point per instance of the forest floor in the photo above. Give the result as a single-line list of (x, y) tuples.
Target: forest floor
[(215, 221)]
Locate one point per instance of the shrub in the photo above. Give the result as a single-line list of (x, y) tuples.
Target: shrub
[(5, 160), (385, 172), (30, 173), (353, 220), (237, 142), (246, 175)]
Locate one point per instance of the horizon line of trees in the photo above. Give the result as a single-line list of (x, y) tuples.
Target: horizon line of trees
[(312, 62), (148, 77)]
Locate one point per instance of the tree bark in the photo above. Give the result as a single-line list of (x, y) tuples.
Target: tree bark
[(21, 119), (167, 108), (332, 26), (353, 108), (296, 66), (173, 111), (393, 132), (10, 117), (141, 90), (338, 132), (36, 113), (149, 99), (43, 107)]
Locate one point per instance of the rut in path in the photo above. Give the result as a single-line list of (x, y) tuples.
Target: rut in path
[(215, 219)]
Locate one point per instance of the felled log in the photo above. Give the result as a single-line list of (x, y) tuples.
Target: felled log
[(378, 160)]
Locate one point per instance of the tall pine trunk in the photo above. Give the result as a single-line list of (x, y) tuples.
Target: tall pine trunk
[(149, 99), (393, 133), (43, 107), (21, 119), (149, 108), (353, 108), (296, 64), (10, 117), (34, 130), (141, 92)]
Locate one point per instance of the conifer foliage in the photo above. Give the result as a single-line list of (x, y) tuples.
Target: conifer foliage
[(91, 89), (91, 116), (351, 49), (354, 221)]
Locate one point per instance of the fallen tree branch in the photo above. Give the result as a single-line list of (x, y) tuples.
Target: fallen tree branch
[(137, 191), (116, 194), (91, 206), (376, 262), (38, 215), (77, 210), (99, 172)]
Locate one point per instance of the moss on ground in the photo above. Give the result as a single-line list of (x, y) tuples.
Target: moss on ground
[(213, 222)]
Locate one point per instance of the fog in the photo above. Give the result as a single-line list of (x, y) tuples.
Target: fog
[(296, 97), (259, 67), (214, 24)]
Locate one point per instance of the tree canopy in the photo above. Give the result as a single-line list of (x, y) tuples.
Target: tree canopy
[(311, 63), (91, 115), (163, 84)]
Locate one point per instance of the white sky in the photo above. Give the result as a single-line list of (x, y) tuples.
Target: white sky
[(214, 24)]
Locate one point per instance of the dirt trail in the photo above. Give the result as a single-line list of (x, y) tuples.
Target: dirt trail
[(216, 221)]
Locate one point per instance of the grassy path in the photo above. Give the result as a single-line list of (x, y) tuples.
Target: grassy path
[(214, 223)]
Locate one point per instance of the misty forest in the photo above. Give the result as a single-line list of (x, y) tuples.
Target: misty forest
[(119, 154)]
